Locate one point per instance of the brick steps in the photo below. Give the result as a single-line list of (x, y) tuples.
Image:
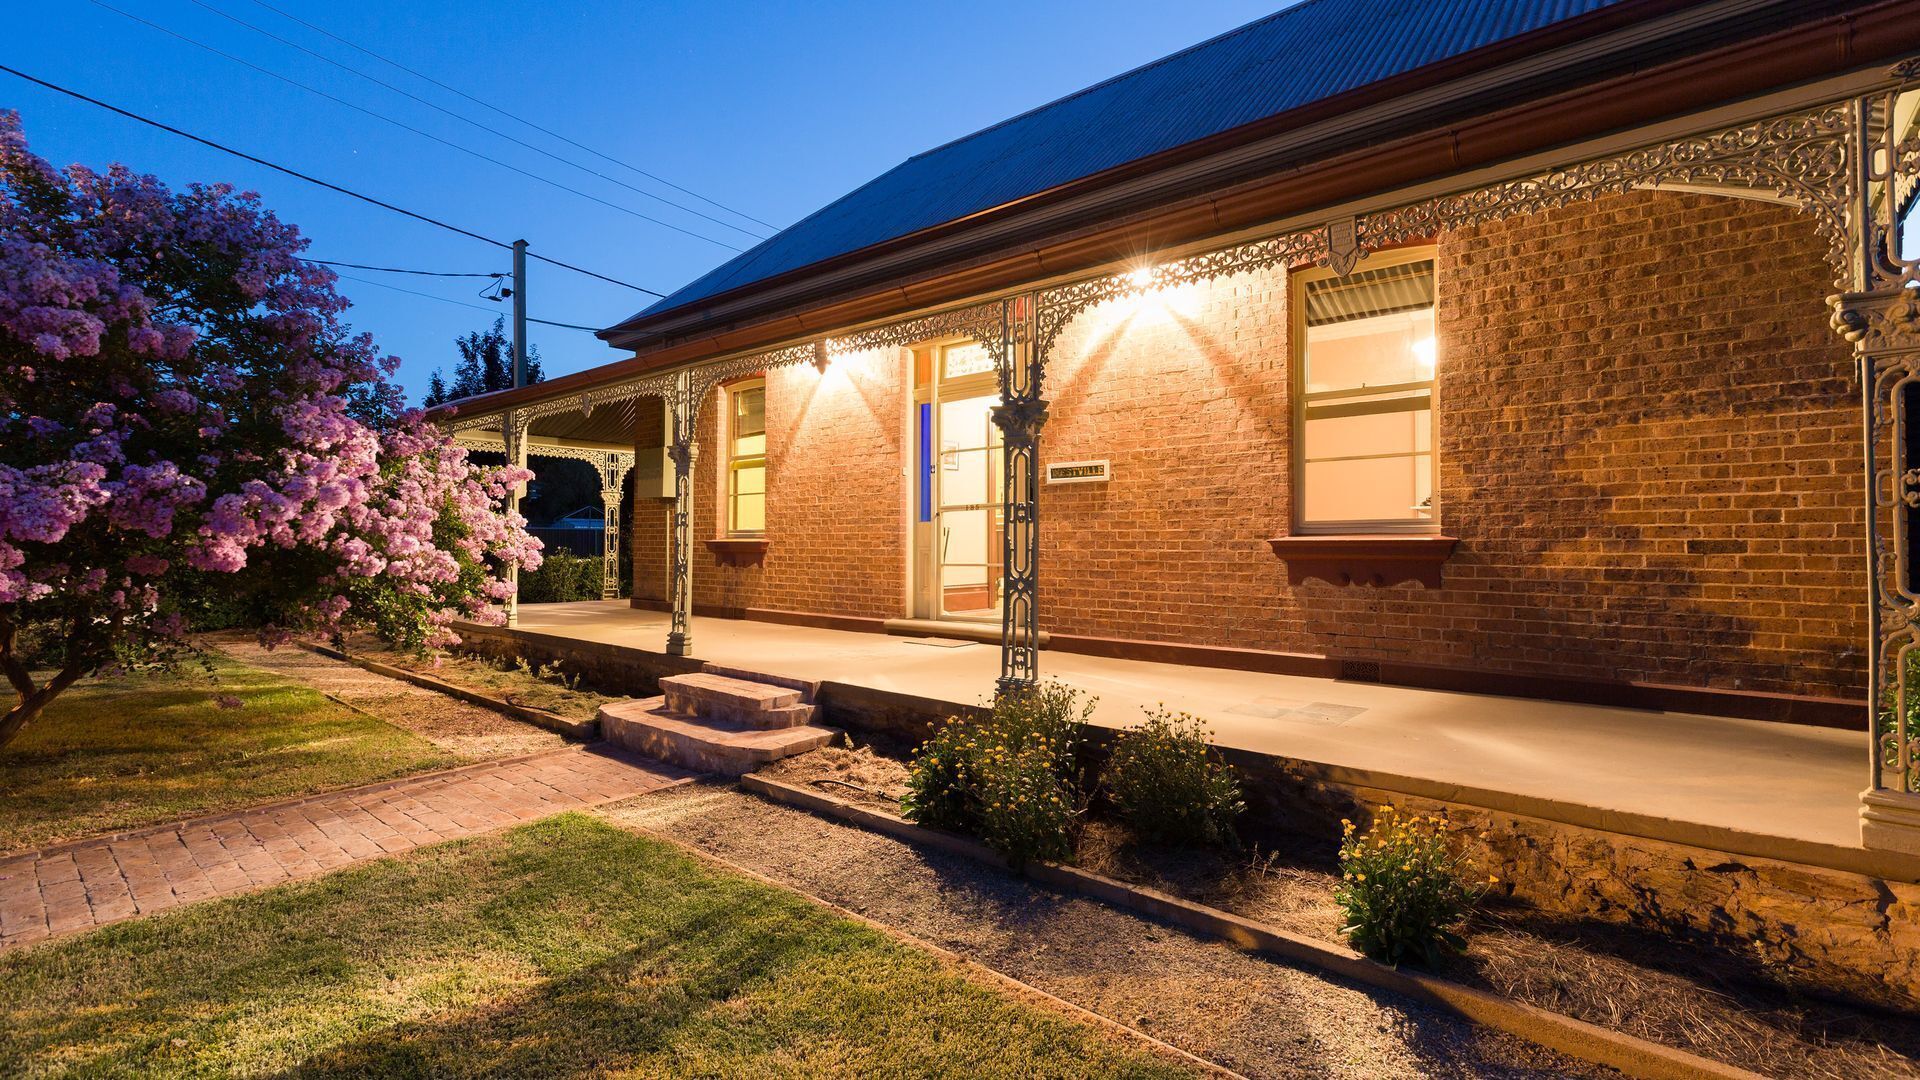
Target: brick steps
[(716, 723)]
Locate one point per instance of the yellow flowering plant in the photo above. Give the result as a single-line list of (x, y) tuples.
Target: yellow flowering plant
[(1404, 887), (1011, 778), (1165, 781)]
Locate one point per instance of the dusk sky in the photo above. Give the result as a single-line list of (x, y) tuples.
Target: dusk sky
[(770, 109)]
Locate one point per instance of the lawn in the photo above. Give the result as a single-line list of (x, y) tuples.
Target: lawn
[(118, 753), (560, 948)]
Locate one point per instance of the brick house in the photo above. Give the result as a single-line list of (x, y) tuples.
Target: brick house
[(1516, 348)]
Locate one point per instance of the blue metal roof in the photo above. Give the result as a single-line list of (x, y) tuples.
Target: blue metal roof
[(1294, 57)]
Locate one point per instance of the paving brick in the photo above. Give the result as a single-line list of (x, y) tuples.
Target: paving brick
[(104, 881)]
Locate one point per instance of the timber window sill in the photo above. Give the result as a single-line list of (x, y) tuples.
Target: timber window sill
[(1375, 559), (738, 550)]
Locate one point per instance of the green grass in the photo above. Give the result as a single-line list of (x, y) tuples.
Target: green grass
[(561, 948), (118, 753)]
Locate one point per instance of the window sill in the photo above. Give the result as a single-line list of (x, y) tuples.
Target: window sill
[(1375, 559), (738, 550)]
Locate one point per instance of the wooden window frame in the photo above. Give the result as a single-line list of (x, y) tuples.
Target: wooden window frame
[(735, 462), (1296, 301)]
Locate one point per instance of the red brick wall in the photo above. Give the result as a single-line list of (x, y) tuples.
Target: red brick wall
[(650, 527), (1186, 396), (1647, 437), (836, 497), (1678, 384)]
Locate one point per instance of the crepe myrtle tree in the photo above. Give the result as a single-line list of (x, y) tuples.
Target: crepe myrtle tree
[(187, 423)]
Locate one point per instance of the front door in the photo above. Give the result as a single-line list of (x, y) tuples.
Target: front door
[(959, 518)]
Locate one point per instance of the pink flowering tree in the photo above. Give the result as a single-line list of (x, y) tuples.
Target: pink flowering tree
[(186, 423)]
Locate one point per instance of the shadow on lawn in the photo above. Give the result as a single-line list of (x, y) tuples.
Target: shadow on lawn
[(621, 1011)]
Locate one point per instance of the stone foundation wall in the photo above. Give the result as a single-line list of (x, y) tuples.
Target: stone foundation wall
[(1827, 930)]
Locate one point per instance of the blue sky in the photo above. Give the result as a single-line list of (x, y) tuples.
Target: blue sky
[(771, 109)]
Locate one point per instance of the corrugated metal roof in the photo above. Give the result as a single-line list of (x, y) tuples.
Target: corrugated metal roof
[(1291, 58)]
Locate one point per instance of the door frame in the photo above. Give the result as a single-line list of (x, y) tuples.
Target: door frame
[(925, 597)]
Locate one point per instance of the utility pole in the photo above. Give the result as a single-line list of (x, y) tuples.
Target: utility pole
[(514, 432), (519, 313)]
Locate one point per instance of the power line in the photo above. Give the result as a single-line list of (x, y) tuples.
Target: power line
[(398, 270), (468, 120), (463, 303), (298, 175), (409, 127), (511, 116), (589, 273)]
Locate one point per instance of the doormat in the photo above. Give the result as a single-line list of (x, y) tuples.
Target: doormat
[(940, 642)]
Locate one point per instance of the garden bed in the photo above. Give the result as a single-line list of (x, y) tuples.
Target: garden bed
[(551, 695), (1644, 985), (1245, 1011)]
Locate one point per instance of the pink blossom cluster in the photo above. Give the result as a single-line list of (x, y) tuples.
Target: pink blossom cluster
[(179, 396)]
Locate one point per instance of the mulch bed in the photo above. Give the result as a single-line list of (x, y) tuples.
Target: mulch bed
[(549, 689), (455, 725), (1634, 981), (1260, 1017)]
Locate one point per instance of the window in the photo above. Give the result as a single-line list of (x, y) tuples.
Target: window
[(747, 458), (1363, 425)]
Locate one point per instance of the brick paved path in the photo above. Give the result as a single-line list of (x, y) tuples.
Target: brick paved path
[(93, 882)]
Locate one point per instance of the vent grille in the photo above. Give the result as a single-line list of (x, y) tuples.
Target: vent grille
[(1360, 670)]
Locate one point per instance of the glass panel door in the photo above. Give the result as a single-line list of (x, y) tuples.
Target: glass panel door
[(967, 508)]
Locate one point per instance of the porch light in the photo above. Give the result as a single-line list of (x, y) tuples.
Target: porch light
[(1423, 352)]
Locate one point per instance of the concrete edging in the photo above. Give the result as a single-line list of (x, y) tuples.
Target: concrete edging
[(1576, 1038), (579, 731)]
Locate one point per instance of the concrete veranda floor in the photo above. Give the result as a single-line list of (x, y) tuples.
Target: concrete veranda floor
[(1745, 786)]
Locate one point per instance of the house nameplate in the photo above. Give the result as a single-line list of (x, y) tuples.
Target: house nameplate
[(1079, 472)]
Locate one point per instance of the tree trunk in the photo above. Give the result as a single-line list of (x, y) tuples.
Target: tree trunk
[(32, 705), (30, 700)]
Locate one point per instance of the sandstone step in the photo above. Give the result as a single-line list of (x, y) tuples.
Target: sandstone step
[(649, 727), (785, 716), (808, 688), (735, 701)]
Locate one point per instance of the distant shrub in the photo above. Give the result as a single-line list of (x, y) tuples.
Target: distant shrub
[(210, 608), (1169, 786), (1012, 778), (563, 577), (1403, 887)]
